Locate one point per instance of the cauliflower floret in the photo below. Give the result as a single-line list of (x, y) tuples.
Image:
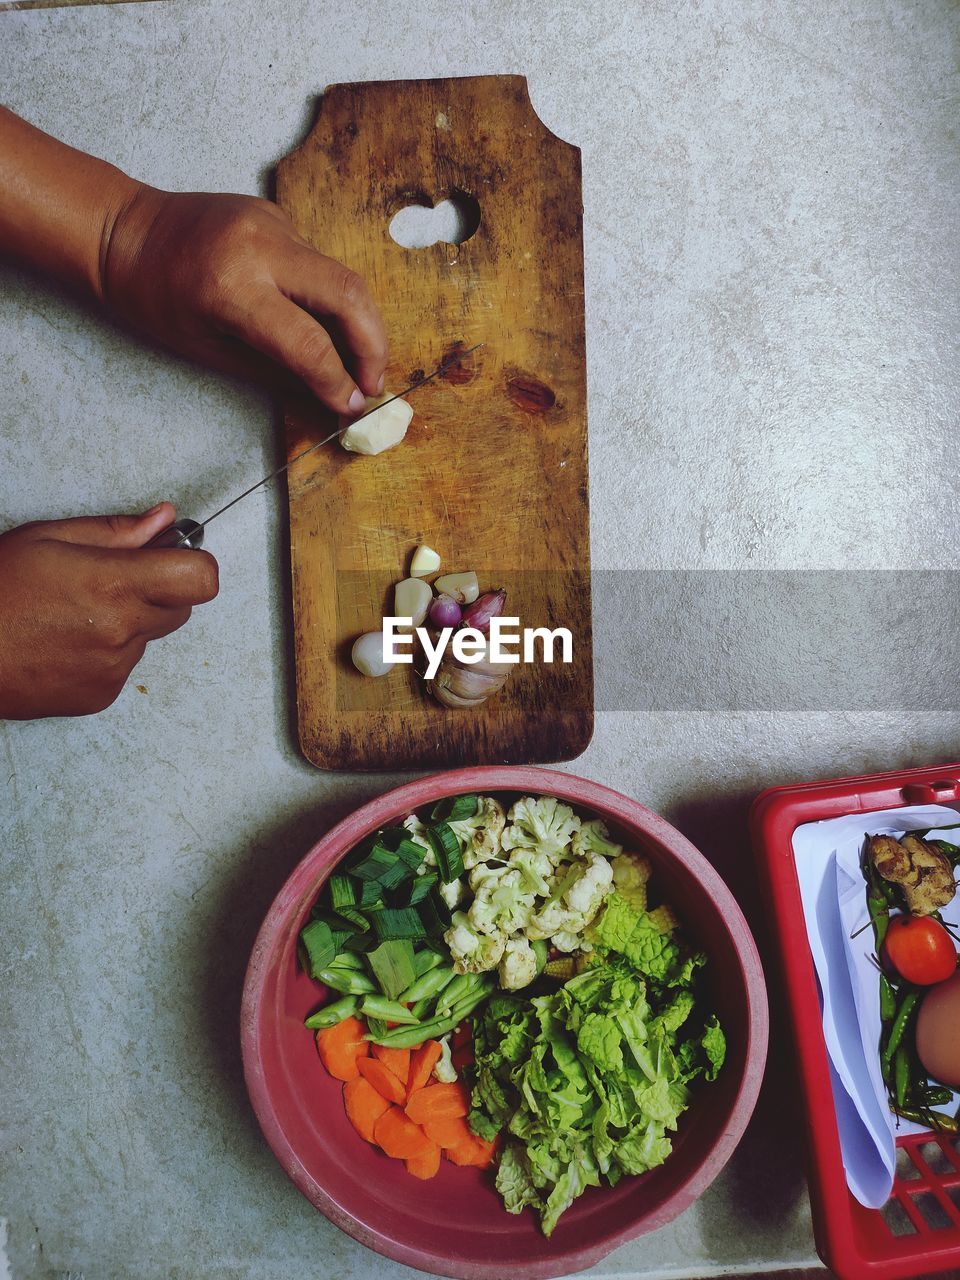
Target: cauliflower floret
[(479, 836), (452, 893), (501, 903), (549, 921), (543, 824), (415, 830), (536, 869), (565, 940), (445, 1070), (518, 965), (593, 837), (483, 872), (586, 894), (472, 952)]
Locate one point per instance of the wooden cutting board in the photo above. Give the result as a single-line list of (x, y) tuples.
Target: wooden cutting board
[(493, 471)]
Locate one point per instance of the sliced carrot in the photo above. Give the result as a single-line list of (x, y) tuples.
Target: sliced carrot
[(341, 1046), (399, 1136), (426, 1165), (395, 1060), (475, 1151), (422, 1062), (438, 1102), (382, 1079), (364, 1106), (448, 1133)]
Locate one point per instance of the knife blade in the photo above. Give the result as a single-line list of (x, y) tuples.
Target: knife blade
[(187, 534)]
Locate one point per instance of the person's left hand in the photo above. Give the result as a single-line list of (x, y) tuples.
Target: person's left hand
[(226, 279)]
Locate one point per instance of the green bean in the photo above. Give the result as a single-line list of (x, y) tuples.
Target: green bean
[(331, 1014), (350, 981), (904, 1013), (457, 989), (430, 984), (409, 1037), (888, 1000), (389, 1010), (420, 1007)]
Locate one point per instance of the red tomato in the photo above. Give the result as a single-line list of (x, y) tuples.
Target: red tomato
[(920, 949)]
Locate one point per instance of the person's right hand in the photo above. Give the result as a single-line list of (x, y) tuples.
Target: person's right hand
[(80, 599)]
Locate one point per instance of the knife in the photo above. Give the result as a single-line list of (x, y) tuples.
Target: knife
[(188, 534)]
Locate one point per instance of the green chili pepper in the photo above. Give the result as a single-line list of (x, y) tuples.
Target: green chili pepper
[(894, 1040), (935, 1097), (888, 1000), (932, 1119), (901, 1075)]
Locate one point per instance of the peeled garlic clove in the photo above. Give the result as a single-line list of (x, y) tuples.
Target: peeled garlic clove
[(464, 587), (425, 560), (367, 655), (411, 599), (379, 430)]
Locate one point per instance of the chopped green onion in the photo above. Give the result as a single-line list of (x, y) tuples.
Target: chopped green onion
[(342, 892), (392, 966), (320, 946), (346, 960), (410, 853), (331, 1014), (433, 922), (356, 918), (422, 887), (371, 895), (392, 837), (382, 866), (388, 1010), (392, 923), (444, 842), (455, 808)]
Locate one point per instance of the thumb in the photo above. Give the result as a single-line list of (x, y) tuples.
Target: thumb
[(119, 531)]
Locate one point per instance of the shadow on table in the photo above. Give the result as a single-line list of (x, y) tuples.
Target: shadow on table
[(763, 1188), (242, 900)]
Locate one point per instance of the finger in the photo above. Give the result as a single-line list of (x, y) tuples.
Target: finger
[(119, 531), (278, 328), (165, 578), (329, 289)]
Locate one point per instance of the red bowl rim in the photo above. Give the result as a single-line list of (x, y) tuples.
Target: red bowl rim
[(579, 791)]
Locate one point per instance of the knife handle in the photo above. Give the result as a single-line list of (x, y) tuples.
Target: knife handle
[(184, 534)]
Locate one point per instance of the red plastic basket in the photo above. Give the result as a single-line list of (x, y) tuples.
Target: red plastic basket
[(918, 1231)]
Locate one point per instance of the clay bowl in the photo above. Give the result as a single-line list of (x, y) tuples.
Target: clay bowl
[(455, 1225)]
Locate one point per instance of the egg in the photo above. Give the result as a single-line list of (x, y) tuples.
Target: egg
[(938, 1032)]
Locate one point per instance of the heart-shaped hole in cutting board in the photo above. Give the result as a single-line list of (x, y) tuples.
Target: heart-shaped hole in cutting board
[(452, 221)]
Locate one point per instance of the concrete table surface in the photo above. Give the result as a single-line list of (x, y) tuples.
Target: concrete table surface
[(771, 226)]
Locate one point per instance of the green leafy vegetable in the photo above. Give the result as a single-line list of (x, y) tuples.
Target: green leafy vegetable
[(392, 966), (446, 847), (455, 808), (318, 942), (588, 1083)]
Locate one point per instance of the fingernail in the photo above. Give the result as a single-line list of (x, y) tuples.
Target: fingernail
[(357, 402), (152, 512), (381, 384)]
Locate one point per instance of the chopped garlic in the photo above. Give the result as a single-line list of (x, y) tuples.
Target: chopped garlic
[(425, 560), (379, 430)]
